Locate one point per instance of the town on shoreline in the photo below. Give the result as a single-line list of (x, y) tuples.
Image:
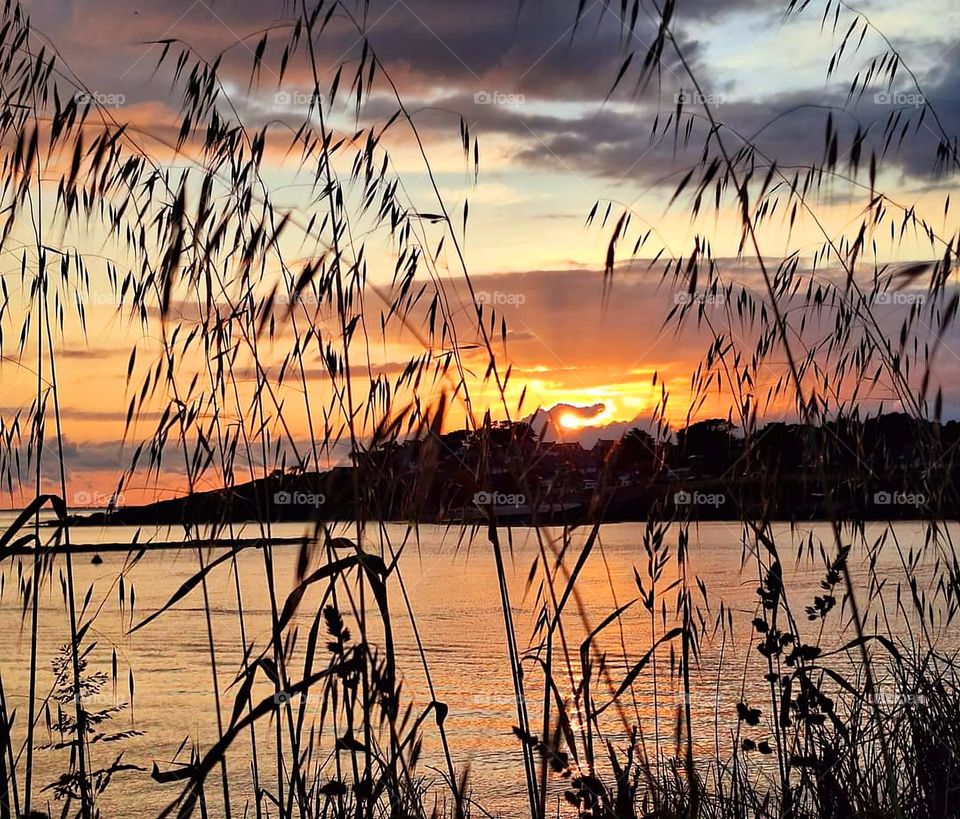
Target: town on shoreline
[(506, 472)]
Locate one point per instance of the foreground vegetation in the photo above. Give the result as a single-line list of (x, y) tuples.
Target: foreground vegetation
[(869, 726)]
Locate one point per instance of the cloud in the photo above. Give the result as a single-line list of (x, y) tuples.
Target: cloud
[(425, 43), (317, 373), (82, 457), (573, 343), (617, 144), (547, 422), (109, 416), (443, 54), (91, 353)]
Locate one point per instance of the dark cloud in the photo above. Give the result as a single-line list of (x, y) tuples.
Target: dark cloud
[(111, 416), (83, 457), (444, 54), (317, 373), (430, 47), (788, 129), (91, 353)]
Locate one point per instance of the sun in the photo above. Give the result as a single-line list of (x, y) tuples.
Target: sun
[(572, 420)]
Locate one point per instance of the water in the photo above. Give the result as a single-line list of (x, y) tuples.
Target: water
[(453, 591)]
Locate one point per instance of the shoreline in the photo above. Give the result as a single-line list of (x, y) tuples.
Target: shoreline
[(258, 542)]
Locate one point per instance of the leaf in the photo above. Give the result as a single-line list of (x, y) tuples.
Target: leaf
[(32, 508), (635, 671), (293, 599), (187, 586), (184, 805), (859, 641)]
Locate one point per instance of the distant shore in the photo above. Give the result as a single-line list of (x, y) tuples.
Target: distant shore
[(259, 542)]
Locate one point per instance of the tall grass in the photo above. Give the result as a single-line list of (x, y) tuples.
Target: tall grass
[(237, 297)]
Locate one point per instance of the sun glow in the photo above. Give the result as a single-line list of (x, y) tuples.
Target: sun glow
[(571, 420)]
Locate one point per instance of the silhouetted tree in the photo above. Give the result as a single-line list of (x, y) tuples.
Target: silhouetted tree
[(710, 445), (638, 450)]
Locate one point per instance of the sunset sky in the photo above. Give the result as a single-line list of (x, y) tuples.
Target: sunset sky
[(552, 142)]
